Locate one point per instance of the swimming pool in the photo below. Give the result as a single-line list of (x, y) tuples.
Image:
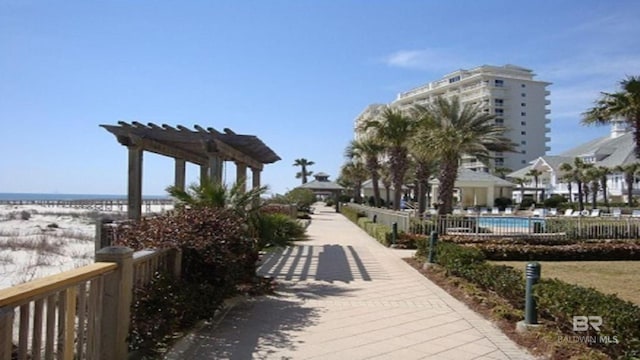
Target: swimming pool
[(508, 222)]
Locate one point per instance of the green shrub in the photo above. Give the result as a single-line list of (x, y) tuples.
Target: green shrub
[(278, 230), (502, 202), (217, 258), (575, 252), (560, 301), (526, 203), (557, 301), (330, 202), (352, 214), (554, 201)]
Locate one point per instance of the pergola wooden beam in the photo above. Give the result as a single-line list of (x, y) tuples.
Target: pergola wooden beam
[(205, 147)]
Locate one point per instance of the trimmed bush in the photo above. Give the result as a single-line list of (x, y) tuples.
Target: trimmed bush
[(557, 301), (602, 251), (352, 214)]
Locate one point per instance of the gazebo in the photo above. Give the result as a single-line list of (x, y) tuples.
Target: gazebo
[(207, 148), (323, 186)]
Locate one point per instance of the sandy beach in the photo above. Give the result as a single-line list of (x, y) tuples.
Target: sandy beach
[(36, 241)]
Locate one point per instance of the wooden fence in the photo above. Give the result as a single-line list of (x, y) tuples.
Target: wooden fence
[(82, 313)]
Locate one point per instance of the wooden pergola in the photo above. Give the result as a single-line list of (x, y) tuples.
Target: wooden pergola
[(207, 148)]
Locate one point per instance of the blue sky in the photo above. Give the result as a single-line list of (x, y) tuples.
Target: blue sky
[(294, 73)]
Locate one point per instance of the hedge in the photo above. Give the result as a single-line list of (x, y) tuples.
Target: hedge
[(557, 301)]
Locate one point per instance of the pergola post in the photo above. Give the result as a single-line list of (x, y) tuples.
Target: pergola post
[(134, 195), (255, 180), (241, 176), (204, 174), (215, 168), (255, 177), (180, 174)]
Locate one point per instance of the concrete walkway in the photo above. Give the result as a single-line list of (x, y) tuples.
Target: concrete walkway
[(344, 296)]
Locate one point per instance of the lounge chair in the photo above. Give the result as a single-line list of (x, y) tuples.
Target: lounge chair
[(553, 212), (508, 211), (595, 212), (471, 211), (457, 211), (484, 211), (635, 213), (616, 212), (495, 211), (568, 212), (584, 212)]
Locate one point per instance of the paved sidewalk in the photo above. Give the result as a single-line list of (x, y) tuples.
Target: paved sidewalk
[(344, 296)]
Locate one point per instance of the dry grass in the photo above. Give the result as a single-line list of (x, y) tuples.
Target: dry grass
[(610, 277)]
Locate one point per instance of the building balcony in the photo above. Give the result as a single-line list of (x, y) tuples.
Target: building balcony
[(547, 121), (547, 111), (547, 102)]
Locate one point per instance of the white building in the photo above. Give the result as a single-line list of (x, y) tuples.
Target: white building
[(372, 112), (615, 149), (510, 92)]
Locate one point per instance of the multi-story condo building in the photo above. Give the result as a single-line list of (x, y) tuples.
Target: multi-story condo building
[(372, 112), (509, 92)]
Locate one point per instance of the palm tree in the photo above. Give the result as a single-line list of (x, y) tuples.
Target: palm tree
[(575, 173), (214, 194), (394, 131), (303, 163), (629, 171), (535, 174), (425, 166), (593, 175), (385, 178), (450, 130), (356, 174), (368, 151), (520, 182), (603, 173), (501, 172), (622, 105)]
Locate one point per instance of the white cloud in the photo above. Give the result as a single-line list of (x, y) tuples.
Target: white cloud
[(425, 59)]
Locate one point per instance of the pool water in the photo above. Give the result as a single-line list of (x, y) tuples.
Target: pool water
[(507, 222)]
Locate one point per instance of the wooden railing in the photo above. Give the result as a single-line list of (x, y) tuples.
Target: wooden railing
[(82, 313)]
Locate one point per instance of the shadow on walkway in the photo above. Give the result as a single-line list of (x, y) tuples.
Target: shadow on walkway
[(328, 263), (253, 330)]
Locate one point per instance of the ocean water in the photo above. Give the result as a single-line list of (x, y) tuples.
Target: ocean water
[(36, 196)]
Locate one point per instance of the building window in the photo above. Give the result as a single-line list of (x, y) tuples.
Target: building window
[(454, 79), (523, 133), (524, 152), (523, 161), (499, 83), (523, 85), (498, 102), (523, 142), (499, 121), (523, 95), (523, 123), (499, 111), (523, 114), (523, 104)]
